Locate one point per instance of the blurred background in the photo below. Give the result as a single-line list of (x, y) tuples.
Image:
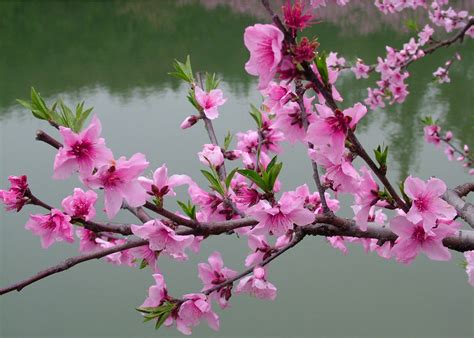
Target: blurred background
[(115, 55)]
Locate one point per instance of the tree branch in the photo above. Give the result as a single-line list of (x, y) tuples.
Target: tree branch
[(464, 209)]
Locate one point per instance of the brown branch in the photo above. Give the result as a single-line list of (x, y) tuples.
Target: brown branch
[(70, 262), (44, 137), (464, 209)]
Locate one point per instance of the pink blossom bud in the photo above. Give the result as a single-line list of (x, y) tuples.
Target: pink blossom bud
[(189, 121)]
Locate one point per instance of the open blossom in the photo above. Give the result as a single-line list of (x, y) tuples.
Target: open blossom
[(361, 70), (257, 285), (123, 257), (209, 101), (425, 35), (81, 151), (277, 95), (14, 198), (365, 197), (313, 201), (278, 219), (195, 308), (80, 204), (87, 240), (120, 182), (211, 154), (264, 43), (163, 238), (431, 133), (215, 273), (52, 227), (157, 293), (330, 128), (427, 204), (161, 185), (469, 255), (290, 121), (413, 238)]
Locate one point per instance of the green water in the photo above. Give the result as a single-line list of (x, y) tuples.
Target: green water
[(116, 55)]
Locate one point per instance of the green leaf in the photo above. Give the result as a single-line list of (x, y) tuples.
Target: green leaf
[(211, 82), (229, 177), (143, 264), (322, 67), (274, 175), (189, 209), (227, 140), (215, 182), (162, 319), (272, 163), (183, 71), (381, 154), (256, 115), (412, 25), (254, 177)]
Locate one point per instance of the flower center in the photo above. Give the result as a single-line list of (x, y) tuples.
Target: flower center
[(339, 122), (81, 149)]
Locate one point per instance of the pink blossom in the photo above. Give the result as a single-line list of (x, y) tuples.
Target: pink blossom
[(340, 174), (290, 121), (295, 16), (257, 285), (313, 201), (210, 101), (277, 95), (365, 197), (264, 43), (330, 129), (144, 255), (15, 197), (161, 185), (442, 75), (80, 204), (413, 238), (163, 238), (427, 205), (469, 255), (120, 182), (123, 257), (260, 247), (361, 70), (157, 294), (195, 308), (279, 218), (87, 240), (425, 35), (432, 134), (337, 242), (52, 227), (211, 154), (215, 273), (189, 122), (81, 151)]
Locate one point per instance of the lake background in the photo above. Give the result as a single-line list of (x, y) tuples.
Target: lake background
[(116, 56)]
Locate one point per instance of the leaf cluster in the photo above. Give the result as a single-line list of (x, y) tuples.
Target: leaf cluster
[(58, 113), (266, 178)]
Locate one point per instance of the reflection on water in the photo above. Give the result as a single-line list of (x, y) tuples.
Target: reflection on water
[(116, 55)]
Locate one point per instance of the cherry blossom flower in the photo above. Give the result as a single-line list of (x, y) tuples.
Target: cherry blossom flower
[(215, 273), (120, 182), (413, 238), (161, 185), (81, 151), (195, 308), (87, 240), (163, 238), (365, 197), (264, 43), (52, 227), (189, 121), (157, 293), (279, 218), (211, 154), (257, 285), (209, 102), (361, 70), (80, 204), (330, 129), (123, 257), (15, 197), (432, 134), (427, 205)]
